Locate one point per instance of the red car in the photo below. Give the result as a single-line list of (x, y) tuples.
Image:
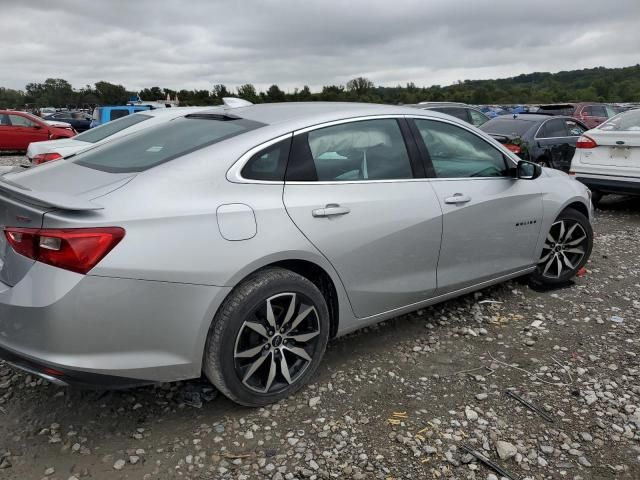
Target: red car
[(591, 114), (19, 129)]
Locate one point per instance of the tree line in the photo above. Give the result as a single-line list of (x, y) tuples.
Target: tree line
[(594, 84)]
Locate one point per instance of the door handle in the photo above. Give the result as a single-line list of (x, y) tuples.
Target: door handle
[(458, 198), (330, 210)]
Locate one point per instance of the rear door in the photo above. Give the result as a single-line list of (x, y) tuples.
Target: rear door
[(26, 131), (357, 191), (491, 221)]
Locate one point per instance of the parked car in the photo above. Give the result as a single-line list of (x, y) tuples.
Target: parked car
[(41, 152), (237, 242), (102, 115), (591, 114), (459, 110), (547, 140), (19, 129), (78, 120), (607, 158)]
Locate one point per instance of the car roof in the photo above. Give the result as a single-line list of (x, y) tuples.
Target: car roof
[(531, 117), (302, 114)]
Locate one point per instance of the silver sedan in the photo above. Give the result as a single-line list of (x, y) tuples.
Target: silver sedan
[(238, 241)]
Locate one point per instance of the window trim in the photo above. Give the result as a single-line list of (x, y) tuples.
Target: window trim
[(234, 174), (410, 143), (536, 137), (429, 164)]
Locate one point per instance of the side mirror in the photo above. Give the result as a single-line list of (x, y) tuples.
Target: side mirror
[(528, 170)]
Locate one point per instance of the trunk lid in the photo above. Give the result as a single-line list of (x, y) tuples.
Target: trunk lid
[(615, 148), (26, 196)]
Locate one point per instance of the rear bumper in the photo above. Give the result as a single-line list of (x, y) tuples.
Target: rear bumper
[(607, 184), (105, 331)]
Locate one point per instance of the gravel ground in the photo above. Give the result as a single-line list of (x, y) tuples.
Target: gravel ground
[(395, 401), (10, 159)]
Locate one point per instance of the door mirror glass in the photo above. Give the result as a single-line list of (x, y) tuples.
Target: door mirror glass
[(528, 170)]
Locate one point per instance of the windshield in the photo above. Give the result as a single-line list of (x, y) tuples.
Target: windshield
[(103, 131), (628, 121), (508, 126), (156, 145)]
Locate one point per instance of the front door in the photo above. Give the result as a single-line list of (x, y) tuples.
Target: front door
[(491, 221), (355, 192)]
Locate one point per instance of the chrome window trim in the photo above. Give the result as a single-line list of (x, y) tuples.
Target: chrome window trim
[(234, 174)]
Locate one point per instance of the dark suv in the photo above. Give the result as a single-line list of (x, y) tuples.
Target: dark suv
[(591, 114), (459, 110)]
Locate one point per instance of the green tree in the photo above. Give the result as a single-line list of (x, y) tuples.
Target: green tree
[(248, 92), (360, 85), (111, 94), (274, 94)]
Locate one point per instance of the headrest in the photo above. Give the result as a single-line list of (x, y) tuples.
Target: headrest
[(346, 139)]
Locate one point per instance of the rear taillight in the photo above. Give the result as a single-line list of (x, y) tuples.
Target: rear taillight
[(572, 173), (586, 142), (513, 148), (45, 157), (75, 249)]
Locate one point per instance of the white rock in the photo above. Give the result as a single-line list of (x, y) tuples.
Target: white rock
[(471, 414), (119, 465), (505, 450), (314, 401)]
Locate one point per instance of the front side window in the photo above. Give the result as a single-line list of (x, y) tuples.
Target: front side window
[(361, 150), (103, 131), (458, 153), (118, 113), (553, 129), (165, 142), (20, 121)]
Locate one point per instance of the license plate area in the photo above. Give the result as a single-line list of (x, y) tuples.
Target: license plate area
[(620, 153)]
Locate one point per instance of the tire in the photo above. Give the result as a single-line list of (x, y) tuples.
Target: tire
[(560, 259), (243, 326)]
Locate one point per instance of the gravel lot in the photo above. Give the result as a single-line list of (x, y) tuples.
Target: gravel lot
[(394, 401)]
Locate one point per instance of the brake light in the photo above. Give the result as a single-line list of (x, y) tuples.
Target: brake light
[(45, 157), (513, 148), (586, 142), (75, 249)]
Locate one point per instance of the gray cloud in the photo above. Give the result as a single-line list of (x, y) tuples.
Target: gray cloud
[(197, 43)]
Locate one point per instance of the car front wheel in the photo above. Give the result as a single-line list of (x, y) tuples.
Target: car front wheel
[(566, 249), (268, 338)]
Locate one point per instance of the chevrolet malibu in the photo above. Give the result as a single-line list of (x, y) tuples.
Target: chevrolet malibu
[(236, 242)]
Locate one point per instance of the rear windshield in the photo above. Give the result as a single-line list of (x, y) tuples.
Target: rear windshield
[(508, 126), (156, 145), (557, 109), (103, 131), (624, 122)]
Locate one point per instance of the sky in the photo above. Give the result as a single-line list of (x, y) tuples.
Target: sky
[(198, 43)]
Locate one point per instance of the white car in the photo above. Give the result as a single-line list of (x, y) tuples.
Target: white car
[(41, 152), (607, 158)]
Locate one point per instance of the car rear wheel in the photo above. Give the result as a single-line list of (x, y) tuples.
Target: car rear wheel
[(566, 249), (268, 338)]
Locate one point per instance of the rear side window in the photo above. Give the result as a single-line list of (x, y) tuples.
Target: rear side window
[(269, 164), (458, 153), (574, 128), (460, 113), (355, 151), (156, 145), (628, 121), (553, 128), (103, 131), (477, 118), (118, 113), (595, 111)]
